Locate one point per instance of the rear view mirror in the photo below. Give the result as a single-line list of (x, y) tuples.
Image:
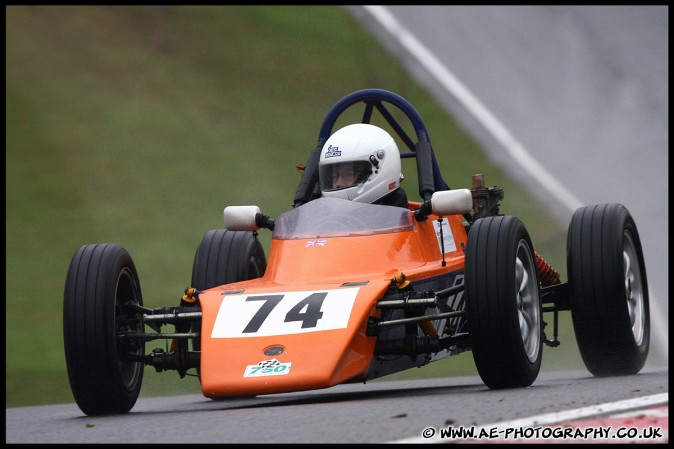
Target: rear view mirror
[(241, 218), (450, 202)]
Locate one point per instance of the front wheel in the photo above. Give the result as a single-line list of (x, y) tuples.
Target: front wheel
[(101, 284), (503, 302), (607, 276)]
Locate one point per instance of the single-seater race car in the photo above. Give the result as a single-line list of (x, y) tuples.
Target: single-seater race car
[(352, 291)]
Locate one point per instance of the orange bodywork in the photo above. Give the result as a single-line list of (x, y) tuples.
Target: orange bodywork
[(303, 324)]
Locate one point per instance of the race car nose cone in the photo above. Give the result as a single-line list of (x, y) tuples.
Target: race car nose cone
[(274, 350)]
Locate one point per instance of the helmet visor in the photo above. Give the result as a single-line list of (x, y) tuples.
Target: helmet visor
[(342, 175)]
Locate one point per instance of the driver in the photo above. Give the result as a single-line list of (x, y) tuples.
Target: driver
[(361, 162)]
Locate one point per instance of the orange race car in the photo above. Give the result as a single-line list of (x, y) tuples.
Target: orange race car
[(355, 288)]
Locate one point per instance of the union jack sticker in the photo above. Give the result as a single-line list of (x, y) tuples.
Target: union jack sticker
[(267, 368), (320, 242)]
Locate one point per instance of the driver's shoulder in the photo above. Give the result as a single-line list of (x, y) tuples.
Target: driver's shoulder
[(396, 198)]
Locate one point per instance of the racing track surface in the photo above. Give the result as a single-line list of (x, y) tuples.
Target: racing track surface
[(376, 412), (572, 100)]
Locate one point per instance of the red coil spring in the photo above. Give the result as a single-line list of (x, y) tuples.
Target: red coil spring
[(546, 274)]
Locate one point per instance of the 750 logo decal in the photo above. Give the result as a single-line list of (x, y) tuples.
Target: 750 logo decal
[(283, 313), (267, 368)]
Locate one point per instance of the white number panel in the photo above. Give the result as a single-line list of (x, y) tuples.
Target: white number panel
[(266, 314)]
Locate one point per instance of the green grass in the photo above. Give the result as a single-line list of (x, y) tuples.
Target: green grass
[(138, 125)]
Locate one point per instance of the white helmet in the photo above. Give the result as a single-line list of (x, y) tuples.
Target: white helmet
[(359, 162)]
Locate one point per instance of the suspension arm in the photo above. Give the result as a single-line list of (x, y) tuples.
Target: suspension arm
[(157, 336)]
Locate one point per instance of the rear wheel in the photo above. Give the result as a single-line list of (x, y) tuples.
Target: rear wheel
[(224, 257), (607, 276), (503, 303), (101, 282)]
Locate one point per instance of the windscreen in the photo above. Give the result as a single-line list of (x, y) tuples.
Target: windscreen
[(333, 217)]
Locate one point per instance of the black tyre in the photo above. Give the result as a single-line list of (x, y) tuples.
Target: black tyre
[(224, 257), (503, 303), (607, 276), (101, 279)]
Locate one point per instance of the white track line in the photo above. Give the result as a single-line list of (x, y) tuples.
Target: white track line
[(516, 150), (473, 105), (558, 417)]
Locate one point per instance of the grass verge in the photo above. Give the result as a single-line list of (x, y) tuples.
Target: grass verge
[(137, 125)]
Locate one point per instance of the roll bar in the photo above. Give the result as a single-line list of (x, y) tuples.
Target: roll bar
[(428, 172)]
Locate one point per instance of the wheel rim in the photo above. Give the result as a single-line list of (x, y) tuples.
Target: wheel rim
[(633, 288), (528, 301), (130, 371)]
